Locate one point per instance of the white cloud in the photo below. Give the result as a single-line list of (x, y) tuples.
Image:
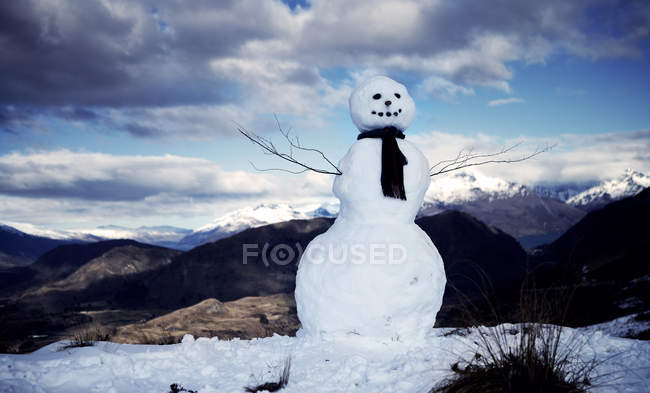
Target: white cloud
[(104, 177), (575, 157), (442, 88), (69, 189), (506, 101), (66, 188)]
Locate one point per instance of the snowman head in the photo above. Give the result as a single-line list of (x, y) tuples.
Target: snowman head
[(381, 102)]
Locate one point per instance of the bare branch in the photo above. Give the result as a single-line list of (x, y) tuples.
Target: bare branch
[(294, 144), (277, 169), (466, 159)]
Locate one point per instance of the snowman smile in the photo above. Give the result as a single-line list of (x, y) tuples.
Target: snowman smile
[(387, 113)]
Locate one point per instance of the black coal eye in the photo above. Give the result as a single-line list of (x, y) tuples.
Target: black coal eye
[(377, 96), (398, 95)]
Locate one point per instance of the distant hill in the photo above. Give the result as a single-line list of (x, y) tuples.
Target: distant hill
[(57, 264), (530, 217), (526, 216), (217, 269), (18, 248), (606, 255), (105, 277), (107, 273), (244, 318), (474, 251)]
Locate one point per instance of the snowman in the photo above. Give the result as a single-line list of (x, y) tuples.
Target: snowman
[(374, 273)]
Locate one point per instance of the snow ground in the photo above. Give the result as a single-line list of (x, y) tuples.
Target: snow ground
[(353, 365), (625, 326)]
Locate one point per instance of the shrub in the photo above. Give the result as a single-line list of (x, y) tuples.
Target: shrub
[(273, 386), (176, 388), (165, 338), (86, 337), (533, 357)]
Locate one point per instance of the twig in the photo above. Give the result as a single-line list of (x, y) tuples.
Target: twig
[(294, 143), (467, 159)]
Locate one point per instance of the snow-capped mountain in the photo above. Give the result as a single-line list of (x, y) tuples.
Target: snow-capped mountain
[(166, 236), (628, 184), (467, 186), (563, 191), (18, 248), (184, 239), (514, 208), (251, 217), (56, 234)]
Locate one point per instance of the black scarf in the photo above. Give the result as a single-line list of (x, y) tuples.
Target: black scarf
[(392, 161)]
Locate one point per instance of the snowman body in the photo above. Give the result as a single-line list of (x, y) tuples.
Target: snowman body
[(374, 273)]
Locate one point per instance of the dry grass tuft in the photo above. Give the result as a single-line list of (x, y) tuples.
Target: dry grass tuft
[(87, 336), (283, 380), (534, 356)]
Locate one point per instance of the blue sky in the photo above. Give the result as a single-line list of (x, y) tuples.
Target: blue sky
[(104, 105)]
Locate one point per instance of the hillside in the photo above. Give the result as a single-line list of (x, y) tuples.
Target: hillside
[(531, 217), (244, 318), (606, 255), (18, 248)]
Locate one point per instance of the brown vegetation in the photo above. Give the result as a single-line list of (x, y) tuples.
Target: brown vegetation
[(246, 318)]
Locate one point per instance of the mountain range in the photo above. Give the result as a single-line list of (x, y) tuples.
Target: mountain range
[(533, 215), (121, 282), (74, 283), (628, 184), (530, 217)]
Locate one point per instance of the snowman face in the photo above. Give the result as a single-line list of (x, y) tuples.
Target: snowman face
[(381, 102)]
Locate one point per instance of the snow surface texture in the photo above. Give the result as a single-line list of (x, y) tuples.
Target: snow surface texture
[(374, 273), (353, 365), (381, 102)]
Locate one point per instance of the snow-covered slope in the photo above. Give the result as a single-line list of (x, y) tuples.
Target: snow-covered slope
[(628, 184), (352, 365), (251, 217)]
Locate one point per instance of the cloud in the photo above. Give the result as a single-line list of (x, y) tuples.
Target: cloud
[(63, 188), (78, 188), (506, 101), (576, 158), (125, 58), (442, 88), (103, 177)]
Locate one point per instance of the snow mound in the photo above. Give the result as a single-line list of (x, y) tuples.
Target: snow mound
[(353, 365), (627, 326)]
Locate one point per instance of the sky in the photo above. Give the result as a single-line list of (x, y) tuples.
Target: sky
[(126, 112)]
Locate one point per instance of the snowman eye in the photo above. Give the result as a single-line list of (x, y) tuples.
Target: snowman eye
[(398, 95), (377, 96)]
